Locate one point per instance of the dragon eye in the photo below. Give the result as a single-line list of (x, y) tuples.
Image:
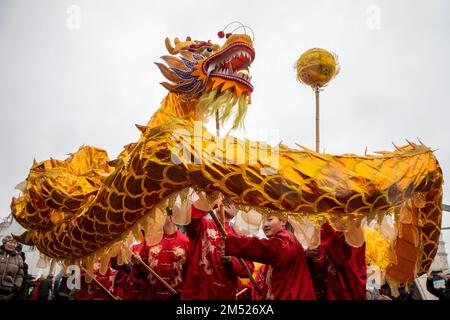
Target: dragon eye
[(209, 49)]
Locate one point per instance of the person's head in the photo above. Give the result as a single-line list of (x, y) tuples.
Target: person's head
[(272, 224), (9, 243)]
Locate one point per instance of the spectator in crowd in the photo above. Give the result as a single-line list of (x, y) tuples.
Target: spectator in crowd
[(11, 269), (28, 280)]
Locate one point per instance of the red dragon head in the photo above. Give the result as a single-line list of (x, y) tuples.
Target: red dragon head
[(217, 76)]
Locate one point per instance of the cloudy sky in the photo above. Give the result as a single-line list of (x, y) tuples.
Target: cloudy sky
[(82, 72)]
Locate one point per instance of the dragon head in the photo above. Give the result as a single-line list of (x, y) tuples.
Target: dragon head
[(215, 76)]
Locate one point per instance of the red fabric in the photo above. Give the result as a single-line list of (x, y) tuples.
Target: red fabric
[(260, 279), (121, 284), (287, 275), (92, 291), (35, 292), (343, 267), (207, 278), (167, 259)]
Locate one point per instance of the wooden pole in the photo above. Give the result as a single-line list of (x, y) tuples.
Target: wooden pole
[(217, 124), (316, 90), (241, 292), (101, 286), (222, 214)]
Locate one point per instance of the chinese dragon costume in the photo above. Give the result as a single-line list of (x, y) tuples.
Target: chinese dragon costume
[(88, 207)]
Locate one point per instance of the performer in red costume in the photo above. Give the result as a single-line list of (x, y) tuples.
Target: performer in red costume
[(287, 275), (121, 284), (167, 259), (211, 275), (340, 268), (137, 279)]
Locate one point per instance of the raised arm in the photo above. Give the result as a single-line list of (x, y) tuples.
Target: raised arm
[(273, 251)]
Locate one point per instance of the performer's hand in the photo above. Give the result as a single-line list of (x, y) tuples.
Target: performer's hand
[(135, 258), (224, 258), (117, 298)]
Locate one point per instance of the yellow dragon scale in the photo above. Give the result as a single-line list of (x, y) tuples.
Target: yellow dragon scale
[(82, 206)]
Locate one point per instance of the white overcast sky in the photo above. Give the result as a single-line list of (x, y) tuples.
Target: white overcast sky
[(63, 86)]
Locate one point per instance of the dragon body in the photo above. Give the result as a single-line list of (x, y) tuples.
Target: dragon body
[(88, 207)]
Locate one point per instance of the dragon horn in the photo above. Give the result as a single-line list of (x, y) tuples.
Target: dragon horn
[(188, 38), (167, 73), (170, 47), (173, 62), (168, 86)]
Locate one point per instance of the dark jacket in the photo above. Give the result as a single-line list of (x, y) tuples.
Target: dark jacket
[(45, 288), (11, 271), (441, 293), (62, 292), (27, 284)]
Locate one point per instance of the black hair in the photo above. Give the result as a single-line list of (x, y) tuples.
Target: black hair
[(289, 227)]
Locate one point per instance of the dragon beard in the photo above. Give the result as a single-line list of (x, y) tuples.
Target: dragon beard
[(224, 103)]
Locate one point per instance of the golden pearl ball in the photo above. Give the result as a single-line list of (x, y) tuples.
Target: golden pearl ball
[(316, 67)]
